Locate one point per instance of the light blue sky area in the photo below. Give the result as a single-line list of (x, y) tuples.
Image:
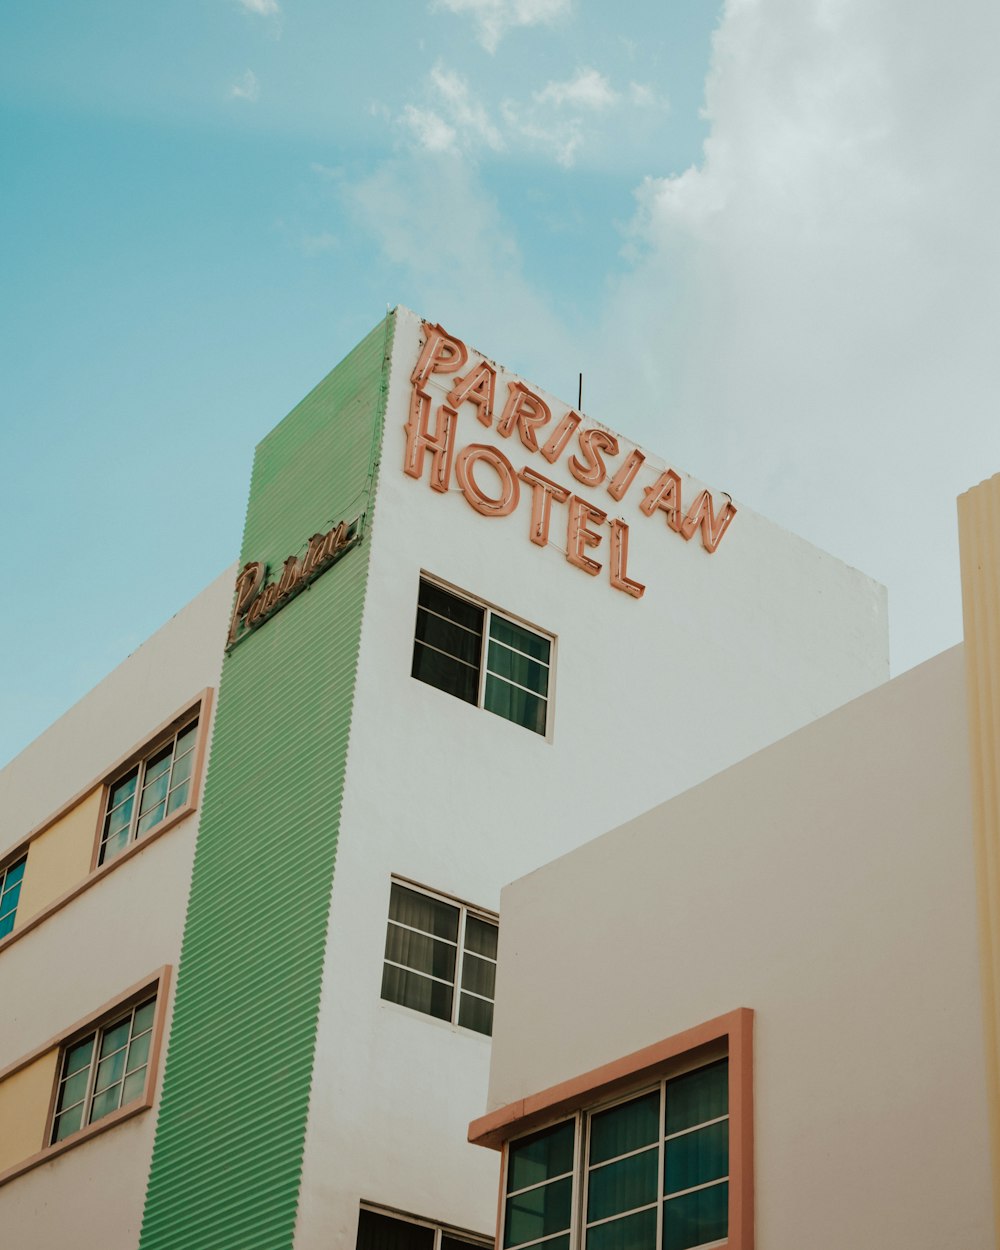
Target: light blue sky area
[(205, 203)]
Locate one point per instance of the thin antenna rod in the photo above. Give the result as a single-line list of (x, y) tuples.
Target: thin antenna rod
[(579, 393)]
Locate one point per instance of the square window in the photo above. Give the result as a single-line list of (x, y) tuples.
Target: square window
[(148, 792), (104, 1070), (470, 650), (440, 958)]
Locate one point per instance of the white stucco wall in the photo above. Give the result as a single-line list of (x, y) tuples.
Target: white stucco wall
[(112, 935), (828, 884), (725, 653)]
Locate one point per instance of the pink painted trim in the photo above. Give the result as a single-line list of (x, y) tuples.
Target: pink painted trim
[(522, 1116)]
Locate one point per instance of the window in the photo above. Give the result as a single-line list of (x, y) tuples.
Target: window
[(653, 1172), (512, 679), (440, 958), (378, 1230), (162, 782), (10, 892), (104, 1070)]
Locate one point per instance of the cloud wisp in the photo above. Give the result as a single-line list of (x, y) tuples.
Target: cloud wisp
[(246, 87), (494, 18)]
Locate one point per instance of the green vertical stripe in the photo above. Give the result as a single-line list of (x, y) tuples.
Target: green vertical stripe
[(228, 1154)]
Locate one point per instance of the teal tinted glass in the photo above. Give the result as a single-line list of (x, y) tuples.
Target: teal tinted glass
[(138, 1052), (518, 668), (698, 1096), (153, 793), (181, 771), (14, 873), (74, 1089), (538, 1212), (115, 1037), (513, 703), (625, 1127), (143, 1019), (534, 1159), (696, 1157), (110, 1071), (623, 1186), (106, 1102), (6, 923), (186, 740), (696, 1218), (8, 900), (135, 1083), (158, 765), (124, 789), (78, 1056), (68, 1123), (522, 639), (632, 1232)]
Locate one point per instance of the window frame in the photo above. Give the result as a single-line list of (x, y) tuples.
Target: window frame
[(465, 910), (440, 1230), (19, 858), (582, 1097), (157, 985), (491, 610)]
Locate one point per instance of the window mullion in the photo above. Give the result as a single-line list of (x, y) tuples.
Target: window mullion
[(581, 1157), (661, 1164), (95, 1055), (133, 824), (483, 655), (459, 962)]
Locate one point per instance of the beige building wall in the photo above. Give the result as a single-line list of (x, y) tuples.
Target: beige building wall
[(827, 883), (114, 933)]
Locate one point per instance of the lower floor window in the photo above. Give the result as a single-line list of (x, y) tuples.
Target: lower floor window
[(377, 1230), (104, 1070), (652, 1170)]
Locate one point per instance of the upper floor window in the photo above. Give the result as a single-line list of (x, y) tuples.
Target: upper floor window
[(475, 653), (440, 958), (377, 1230), (10, 892), (104, 1070), (652, 1171), (150, 791)]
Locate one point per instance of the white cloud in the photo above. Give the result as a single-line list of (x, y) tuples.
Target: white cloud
[(431, 131), (246, 87), (818, 304), (262, 8), (587, 89), (495, 17), (456, 119)]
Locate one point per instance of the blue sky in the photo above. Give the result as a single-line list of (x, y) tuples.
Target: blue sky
[(770, 250)]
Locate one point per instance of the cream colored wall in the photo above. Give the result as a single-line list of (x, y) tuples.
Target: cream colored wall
[(827, 883), (24, 1105), (59, 859), (119, 930)]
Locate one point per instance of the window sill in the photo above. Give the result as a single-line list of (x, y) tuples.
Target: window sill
[(412, 1014), (98, 874), (76, 1139)]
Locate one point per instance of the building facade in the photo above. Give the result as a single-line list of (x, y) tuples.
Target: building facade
[(795, 966), (472, 630)]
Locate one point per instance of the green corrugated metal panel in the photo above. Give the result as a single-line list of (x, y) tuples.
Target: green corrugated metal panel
[(228, 1153)]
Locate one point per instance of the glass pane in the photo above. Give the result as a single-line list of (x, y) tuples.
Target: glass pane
[(74, 1089), (153, 793), (525, 672), (115, 1037), (67, 1123), (124, 789), (452, 639), (697, 1157), (144, 1017), (105, 1103), (79, 1056), (696, 1218), (186, 741), (416, 950), (460, 1243), (445, 673), (14, 873), (514, 704), (158, 765), (114, 844), (430, 915), (6, 924), (110, 1071), (121, 817), (138, 1052), (555, 1243), (536, 1158), (624, 1185), (475, 1013), (150, 819), (8, 900), (538, 1212), (633, 1232), (135, 1083), (410, 989), (481, 936), (178, 797), (698, 1096), (625, 1127), (479, 975), (444, 603), (382, 1232), (517, 636), (181, 771)]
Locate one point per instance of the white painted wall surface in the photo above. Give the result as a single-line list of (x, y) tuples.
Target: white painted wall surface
[(828, 884), (725, 653), (112, 935)]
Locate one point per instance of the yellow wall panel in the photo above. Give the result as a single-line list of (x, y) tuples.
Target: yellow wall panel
[(59, 859), (24, 1107), (979, 537)]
